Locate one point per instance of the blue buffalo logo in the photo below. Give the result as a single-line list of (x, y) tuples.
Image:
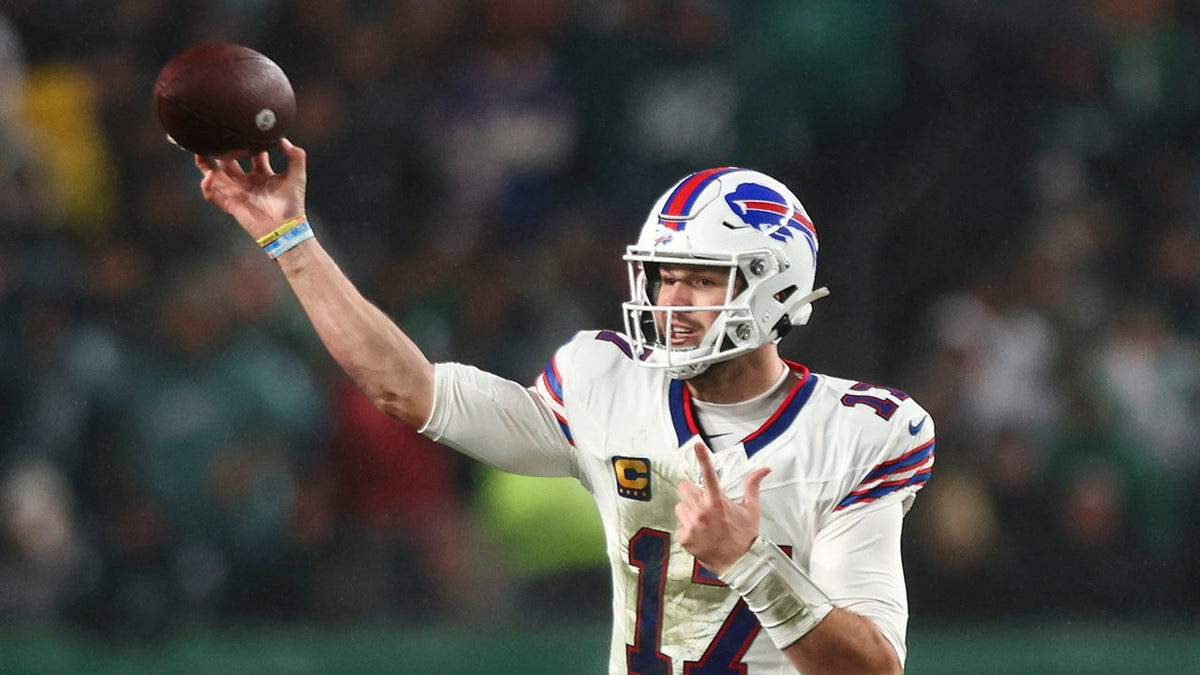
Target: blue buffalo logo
[(770, 213)]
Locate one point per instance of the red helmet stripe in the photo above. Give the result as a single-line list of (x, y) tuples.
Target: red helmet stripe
[(681, 200)]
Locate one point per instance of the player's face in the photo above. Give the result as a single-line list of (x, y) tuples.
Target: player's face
[(689, 285)]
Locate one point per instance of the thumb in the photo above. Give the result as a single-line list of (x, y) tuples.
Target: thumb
[(297, 159), (754, 485)]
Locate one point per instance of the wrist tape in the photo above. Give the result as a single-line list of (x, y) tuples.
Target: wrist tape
[(787, 603)]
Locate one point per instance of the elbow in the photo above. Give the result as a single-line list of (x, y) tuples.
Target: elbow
[(881, 658), (881, 661), (872, 662), (405, 409), (412, 408), (886, 661), (877, 662), (411, 403), (856, 651)]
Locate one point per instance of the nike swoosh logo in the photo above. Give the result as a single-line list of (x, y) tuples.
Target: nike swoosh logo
[(915, 429)]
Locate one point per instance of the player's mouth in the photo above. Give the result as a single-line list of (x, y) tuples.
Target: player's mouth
[(683, 335)]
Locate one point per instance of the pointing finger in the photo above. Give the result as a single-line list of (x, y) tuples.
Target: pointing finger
[(712, 482)]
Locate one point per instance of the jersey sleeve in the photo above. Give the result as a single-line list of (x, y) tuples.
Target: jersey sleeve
[(498, 422), (856, 556), (899, 467), (856, 561)]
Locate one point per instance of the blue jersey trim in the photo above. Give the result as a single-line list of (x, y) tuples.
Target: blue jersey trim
[(783, 418)]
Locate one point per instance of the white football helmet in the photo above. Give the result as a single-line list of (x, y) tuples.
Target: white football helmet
[(727, 217)]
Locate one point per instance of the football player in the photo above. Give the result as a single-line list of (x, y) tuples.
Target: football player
[(752, 508)]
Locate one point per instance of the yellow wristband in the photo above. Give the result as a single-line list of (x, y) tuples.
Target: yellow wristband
[(281, 230)]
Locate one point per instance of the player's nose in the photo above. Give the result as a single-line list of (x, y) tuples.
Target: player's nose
[(675, 295)]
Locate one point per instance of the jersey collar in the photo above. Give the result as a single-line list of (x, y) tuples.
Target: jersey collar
[(683, 414)]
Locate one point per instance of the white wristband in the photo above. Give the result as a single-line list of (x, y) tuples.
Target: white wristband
[(787, 603)]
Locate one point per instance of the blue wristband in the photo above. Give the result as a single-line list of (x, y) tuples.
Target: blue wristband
[(289, 240)]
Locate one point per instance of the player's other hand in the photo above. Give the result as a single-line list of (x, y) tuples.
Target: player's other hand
[(259, 199), (713, 527)]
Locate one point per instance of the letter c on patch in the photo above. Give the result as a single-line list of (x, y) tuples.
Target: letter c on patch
[(633, 477)]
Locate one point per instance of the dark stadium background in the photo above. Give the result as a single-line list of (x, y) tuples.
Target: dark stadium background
[(1008, 200)]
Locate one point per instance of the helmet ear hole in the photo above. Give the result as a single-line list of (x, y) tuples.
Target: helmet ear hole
[(786, 293), (782, 327), (648, 327)]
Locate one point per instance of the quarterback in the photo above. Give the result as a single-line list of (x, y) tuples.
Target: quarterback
[(752, 508)]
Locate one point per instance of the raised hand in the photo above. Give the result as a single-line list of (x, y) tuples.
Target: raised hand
[(713, 527), (259, 199)]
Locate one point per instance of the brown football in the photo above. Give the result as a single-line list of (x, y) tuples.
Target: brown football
[(218, 99)]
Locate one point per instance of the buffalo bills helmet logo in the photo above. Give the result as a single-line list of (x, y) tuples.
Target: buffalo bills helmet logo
[(771, 214)]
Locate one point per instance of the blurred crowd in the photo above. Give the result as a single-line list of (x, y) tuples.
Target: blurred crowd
[(1008, 198)]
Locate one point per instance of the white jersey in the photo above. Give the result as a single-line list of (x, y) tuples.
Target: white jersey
[(841, 453)]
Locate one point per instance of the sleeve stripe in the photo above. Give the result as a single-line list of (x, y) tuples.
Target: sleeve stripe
[(549, 387), (566, 428), (908, 470), (543, 389), (915, 456), (553, 382), (883, 489)]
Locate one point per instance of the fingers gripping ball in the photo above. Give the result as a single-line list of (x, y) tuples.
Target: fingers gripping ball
[(218, 98)]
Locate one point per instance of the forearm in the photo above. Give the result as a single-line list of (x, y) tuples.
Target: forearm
[(801, 620), (366, 343), (363, 340), (843, 642)]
